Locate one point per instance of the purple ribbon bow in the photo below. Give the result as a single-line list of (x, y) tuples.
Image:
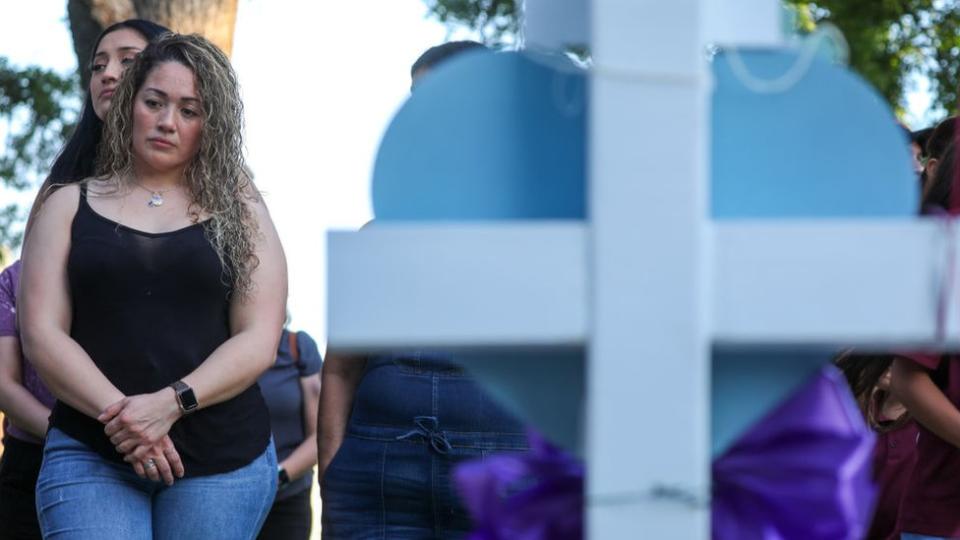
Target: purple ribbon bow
[(524, 496), (803, 471)]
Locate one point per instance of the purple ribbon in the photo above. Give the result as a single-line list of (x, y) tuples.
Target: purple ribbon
[(536, 495), (803, 471)]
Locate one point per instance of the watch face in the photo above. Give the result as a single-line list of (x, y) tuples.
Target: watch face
[(188, 400), (185, 396)]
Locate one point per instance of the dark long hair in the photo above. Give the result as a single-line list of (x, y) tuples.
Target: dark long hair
[(76, 161), (863, 373), (939, 198)]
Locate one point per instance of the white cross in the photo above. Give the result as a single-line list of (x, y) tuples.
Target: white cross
[(691, 282)]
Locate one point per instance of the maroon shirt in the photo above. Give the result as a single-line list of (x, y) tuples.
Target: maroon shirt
[(931, 501), (893, 460), (8, 327)]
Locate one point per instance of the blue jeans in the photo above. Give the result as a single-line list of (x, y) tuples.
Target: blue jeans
[(81, 496), (413, 419)]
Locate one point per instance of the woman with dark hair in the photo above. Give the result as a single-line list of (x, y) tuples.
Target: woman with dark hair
[(938, 193), (940, 140), (894, 455), (126, 40), (24, 399), (153, 298), (929, 385)]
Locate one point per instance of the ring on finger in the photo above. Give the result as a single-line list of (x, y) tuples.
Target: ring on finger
[(150, 464)]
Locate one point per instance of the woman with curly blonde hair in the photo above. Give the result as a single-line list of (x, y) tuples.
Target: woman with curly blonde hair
[(152, 298)]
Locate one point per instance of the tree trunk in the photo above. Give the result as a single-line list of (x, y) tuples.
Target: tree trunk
[(213, 19)]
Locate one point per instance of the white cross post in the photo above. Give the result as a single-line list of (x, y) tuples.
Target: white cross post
[(649, 282), (648, 376)]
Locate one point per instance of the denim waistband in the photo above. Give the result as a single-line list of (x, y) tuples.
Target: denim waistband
[(393, 394), (428, 430), (418, 362)]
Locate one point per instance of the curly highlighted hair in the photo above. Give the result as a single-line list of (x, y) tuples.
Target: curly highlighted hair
[(218, 179)]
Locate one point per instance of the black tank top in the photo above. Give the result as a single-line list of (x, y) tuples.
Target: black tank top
[(148, 309)]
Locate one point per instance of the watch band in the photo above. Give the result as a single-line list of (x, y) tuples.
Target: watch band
[(185, 397)]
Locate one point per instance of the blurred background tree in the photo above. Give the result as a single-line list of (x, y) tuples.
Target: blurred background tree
[(893, 43), (213, 19), (493, 20), (39, 106)]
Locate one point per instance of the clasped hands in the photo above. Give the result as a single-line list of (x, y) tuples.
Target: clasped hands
[(138, 427)]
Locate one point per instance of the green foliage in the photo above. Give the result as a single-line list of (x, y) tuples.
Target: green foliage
[(494, 20), (891, 41), (10, 216), (38, 108), (894, 40)]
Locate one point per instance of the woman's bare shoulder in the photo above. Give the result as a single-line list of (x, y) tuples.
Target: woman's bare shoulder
[(56, 210), (62, 198), (254, 200)]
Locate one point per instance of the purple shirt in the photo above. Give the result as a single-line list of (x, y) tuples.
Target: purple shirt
[(9, 280), (932, 496), (893, 460)]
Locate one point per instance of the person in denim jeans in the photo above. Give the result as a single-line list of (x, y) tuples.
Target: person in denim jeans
[(392, 428), (152, 298), (413, 417), (80, 495)]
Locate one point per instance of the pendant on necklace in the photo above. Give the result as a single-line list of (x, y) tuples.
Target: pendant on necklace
[(156, 200)]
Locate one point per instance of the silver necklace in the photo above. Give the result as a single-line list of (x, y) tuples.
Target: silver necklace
[(156, 196)]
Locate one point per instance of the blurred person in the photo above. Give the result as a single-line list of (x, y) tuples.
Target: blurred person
[(393, 426), (938, 193), (436, 55), (918, 145), (869, 377), (24, 399), (291, 388), (151, 300), (929, 386), (915, 145), (26, 403), (941, 138)]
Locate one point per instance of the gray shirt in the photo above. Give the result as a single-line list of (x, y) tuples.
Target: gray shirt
[(281, 390)]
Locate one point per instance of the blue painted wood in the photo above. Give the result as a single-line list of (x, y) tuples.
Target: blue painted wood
[(496, 136), (501, 136), (545, 388), (487, 136), (748, 384), (828, 147)]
